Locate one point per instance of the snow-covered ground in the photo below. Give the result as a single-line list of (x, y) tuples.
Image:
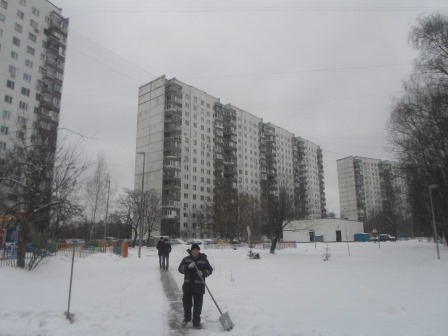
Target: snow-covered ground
[(398, 289)]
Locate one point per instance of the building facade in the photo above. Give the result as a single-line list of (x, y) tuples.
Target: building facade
[(194, 144), (369, 187), (33, 37)]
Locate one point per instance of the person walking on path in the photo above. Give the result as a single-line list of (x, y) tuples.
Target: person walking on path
[(159, 247), (166, 249), (194, 267)]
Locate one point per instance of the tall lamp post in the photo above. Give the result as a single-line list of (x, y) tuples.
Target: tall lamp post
[(141, 206), (107, 209), (431, 187)]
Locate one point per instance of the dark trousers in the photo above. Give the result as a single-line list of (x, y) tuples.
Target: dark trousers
[(160, 261), (165, 261), (188, 300)]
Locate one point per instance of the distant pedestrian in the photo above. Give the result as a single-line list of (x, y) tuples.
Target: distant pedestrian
[(166, 249), (159, 248), (195, 268)]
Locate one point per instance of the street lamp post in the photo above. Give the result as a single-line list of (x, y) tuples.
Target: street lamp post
[(107, 209), (141, 206), (431, 187)]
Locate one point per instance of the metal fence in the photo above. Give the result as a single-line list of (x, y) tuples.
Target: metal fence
[(261, 246), (8, 253)]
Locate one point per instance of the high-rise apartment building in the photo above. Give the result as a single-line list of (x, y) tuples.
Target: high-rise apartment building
[(193, 144), (369, 187), (33, 36)]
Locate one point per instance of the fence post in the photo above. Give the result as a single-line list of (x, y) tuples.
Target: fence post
[(69, 315)]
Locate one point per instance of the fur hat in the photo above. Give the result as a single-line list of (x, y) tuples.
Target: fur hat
[(195, 246)]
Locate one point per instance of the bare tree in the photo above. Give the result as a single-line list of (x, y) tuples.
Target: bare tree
[(280, 211), (38, 180), (96, 193), (70, 166), (152, 209), (129, 204), (418, 126), (430, 37)]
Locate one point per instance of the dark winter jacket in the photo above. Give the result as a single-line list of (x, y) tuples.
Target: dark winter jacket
[(192, 282), (165, 248), (159, 246)]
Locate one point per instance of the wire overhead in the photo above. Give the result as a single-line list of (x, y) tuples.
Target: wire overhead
[(223, 9)]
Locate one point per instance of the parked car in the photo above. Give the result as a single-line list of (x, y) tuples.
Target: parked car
[(386, 237), (193, 241), (236, 241), (177, 241), (74, 241)]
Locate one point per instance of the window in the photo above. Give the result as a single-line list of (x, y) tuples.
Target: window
[(29, 63), (36, 11), (8, 99), (3, 129), (32, 37), (14, 55), (26, 77), (25, 91), (12, 70), (4, 4), (23, 105), (10, 84), (2, 145), (30, 50), (22, 120), (6, 114), (18, 28), (34, 24), (22, 2), (20, 14)]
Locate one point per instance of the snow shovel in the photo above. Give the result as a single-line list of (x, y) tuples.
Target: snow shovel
[(225, 320)]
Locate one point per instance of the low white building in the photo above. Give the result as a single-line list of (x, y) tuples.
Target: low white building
[(324, 230)]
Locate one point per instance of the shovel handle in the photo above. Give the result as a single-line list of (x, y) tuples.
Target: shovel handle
[(208, 290)]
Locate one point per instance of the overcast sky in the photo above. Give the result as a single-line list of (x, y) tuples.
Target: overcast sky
[(324, 70)]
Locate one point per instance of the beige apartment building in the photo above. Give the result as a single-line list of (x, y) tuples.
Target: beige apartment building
[(370, 186), (192, 142), (33, 37)]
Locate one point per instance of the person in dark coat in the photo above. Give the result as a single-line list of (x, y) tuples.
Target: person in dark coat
[(194, 267), (166, 249), (159, 247)]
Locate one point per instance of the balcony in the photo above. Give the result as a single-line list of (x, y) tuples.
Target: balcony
[(229, 160), (55, 49), (219, 124), (58, 22), (173, 99), (49, 103), (56, 65), (169, 107), (53, 77), (50, 92), (173, 126), (48, 116)]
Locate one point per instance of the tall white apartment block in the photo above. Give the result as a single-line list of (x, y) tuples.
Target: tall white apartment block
[(310, 177), (33, 37), (192, 142), (370, 186)]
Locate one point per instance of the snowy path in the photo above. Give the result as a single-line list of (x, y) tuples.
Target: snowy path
[(176, 310)]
